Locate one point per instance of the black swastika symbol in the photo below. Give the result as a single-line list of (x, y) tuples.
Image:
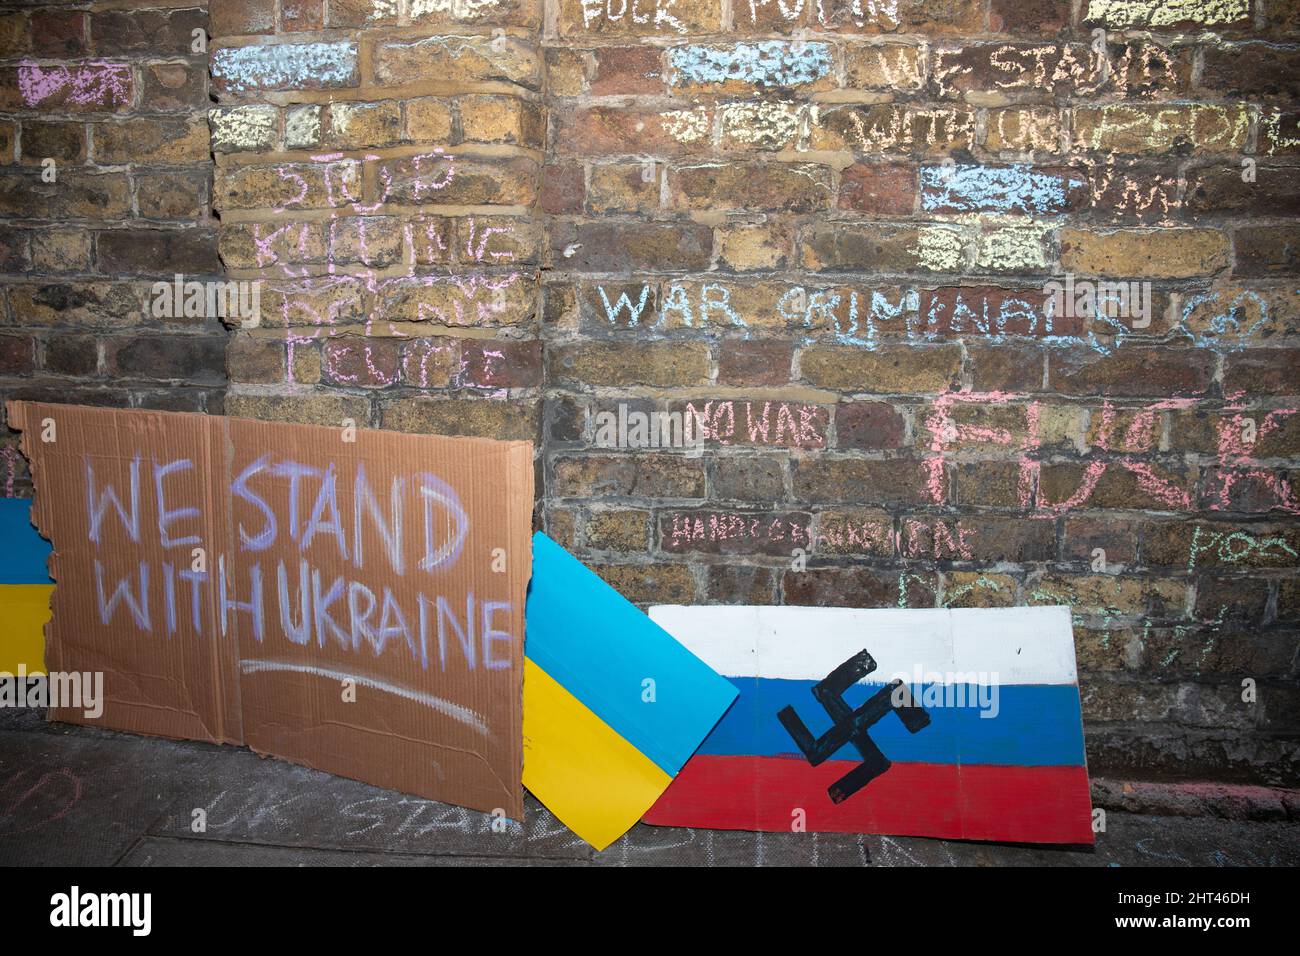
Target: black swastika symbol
[(850, 726)]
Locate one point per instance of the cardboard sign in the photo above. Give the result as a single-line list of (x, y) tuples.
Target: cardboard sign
[(346, 599), (959, 724), (613, 706)]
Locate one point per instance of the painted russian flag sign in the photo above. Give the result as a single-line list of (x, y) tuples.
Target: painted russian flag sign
[(613, 706), (959, 724)]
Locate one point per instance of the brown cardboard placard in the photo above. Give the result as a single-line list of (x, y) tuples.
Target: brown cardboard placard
[(346, 599)]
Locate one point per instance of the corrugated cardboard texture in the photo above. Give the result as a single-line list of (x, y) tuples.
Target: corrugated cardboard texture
[(234, 579)]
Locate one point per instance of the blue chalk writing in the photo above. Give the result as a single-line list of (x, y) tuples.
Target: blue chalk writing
[(771, 62), (991, 189)]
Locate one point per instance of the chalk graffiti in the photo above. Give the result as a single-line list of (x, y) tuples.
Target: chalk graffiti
[(98, 83), (766, 63), (251, 68)]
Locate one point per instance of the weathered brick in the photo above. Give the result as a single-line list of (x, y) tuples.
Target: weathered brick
[(99, 86), (740, 584), (1132, 371), (64, 142), (501, 119), (858, 587), (894, 128), (734, 532), (428, 178), (857, 481), (661, 364), (658, 475), (1023, 129), (886, 190), (157, 252), (993, 484), (618, 529), (761, 245), (313, 408), (244, 128), (186, 357), (71, 354), (357, 125), (1029, 16), (75, 195), (1220, 190), (300, 16), (458, 59), (256, 360), (631, 247), (868, 426), (1165, 13), (884, 247), (907, 16), (1155, 254), (566, 71), (1149, 128), (173, 87), (15, 250), (470, 300), (785, 187), (164, 140), (1262, 371), (747, 479), (638, 17), (361, 362), (1037, 69), (172, 194), (892, 66), (83, 304), (240, 17), (754, 363), (516, 419), (627, 69), (1116, 537), (608, 130), (156, 32), (285, 66), (563, 189), (765, 65), (1111, 594), (1155, 487), (649, 583), (890, 369), (1272, 250), (1251, 70), (623, 187), (17, 355)]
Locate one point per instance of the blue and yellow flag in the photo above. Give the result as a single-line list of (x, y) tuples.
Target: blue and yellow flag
[(25, 588), (613, 704)]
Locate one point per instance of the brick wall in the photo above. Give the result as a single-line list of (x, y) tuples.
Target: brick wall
[(827, 227), (104, 189), (824, 230), (376, 168)]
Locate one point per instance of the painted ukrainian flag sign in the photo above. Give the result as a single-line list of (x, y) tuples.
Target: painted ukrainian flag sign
[(613, 705), (25, 587), (986, 742)]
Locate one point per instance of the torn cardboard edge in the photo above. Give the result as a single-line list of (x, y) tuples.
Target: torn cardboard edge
[(237, 580)]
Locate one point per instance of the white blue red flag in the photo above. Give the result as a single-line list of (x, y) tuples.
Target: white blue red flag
[(960, 724)]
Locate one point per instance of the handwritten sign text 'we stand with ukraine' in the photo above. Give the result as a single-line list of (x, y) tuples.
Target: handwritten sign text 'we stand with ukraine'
[(346, 599)]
